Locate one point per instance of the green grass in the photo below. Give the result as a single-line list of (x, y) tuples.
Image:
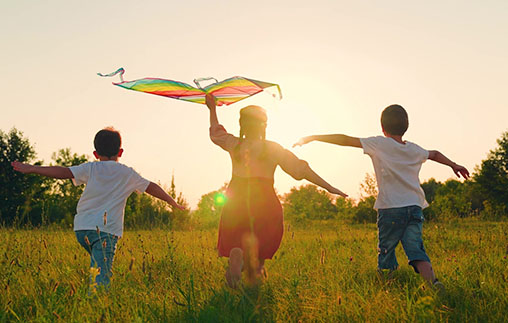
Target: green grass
[(323, 272)]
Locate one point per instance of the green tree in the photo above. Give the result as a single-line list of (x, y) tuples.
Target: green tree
[(63, 196), (364, 211), (369, 185), (492, 175), (309, 203), (21, 195), (210, 207), (430, 188), (452, 200), (344, 208), (145, 211), (180, 218)]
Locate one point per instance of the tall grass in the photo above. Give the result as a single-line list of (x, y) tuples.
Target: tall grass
[(324, 272)]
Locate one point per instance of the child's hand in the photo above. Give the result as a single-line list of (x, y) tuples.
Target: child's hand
[(21, 167), (178, 206), (210, 101), (303, 141), (460, 170), (336, 191)]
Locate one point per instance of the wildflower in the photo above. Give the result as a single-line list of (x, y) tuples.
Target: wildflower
[(105, 218), (104, 244), (87, 241), (94, 272), (323, 256), (98, 231), (351, 258)]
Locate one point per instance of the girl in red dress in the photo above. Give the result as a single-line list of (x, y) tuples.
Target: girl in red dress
[(251, 224)]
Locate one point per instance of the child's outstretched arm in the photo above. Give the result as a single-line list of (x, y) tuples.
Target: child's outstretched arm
[(157, 191), (341, 140), (442, 159), (49, 171), (314, 178), (300, 169)]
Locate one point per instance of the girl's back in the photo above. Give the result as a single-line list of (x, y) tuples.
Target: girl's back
[(257, 157)]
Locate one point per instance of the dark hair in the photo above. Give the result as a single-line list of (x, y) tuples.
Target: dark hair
[(394, 120), (107, 142), (253, 122)]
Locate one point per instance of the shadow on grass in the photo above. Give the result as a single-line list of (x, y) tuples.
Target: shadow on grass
[(247, 304)]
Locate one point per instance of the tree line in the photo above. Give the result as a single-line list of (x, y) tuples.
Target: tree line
[(37, 201)]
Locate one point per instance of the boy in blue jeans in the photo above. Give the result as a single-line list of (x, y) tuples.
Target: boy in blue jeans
[(99, 219), (400, 200)]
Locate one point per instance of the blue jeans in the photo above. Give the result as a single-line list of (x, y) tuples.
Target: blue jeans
[(402, 224), (101, 248)]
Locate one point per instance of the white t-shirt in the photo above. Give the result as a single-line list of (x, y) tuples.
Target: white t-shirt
[(397, 167), (108, 185)]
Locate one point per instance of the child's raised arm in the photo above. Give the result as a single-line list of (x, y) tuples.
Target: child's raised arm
[(442, 159), (212, 106), (157, 191), (341, 140), (49, 171)]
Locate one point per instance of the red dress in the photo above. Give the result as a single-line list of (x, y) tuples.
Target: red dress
[(252, 206)]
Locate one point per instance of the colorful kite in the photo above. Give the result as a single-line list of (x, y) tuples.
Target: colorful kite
[(226, 92)]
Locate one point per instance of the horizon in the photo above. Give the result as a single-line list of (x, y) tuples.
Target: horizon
[(338, 65)]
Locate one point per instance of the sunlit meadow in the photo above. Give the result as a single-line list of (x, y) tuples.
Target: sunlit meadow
[(324, 271)]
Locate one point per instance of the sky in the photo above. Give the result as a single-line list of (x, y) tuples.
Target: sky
[(338, 63)]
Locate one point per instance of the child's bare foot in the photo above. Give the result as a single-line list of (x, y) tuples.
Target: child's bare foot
[(234, 271)]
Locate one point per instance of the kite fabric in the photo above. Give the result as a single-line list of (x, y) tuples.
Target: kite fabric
[(226, 92)]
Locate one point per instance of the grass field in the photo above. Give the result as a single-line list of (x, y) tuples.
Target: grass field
[(323, 272)]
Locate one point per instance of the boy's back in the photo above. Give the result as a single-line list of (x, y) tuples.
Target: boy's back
[(397, 166), (99, 220), (401, 199), (108, 185)]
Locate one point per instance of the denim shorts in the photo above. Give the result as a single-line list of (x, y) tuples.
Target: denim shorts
[(402, 224)]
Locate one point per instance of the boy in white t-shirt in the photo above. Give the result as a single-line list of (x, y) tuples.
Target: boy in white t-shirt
[(99, 220), (400, 199)]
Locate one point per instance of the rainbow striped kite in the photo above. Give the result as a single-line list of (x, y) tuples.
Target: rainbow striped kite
[(226, 92)]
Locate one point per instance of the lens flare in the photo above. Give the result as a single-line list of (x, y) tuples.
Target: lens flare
[(220, 199)]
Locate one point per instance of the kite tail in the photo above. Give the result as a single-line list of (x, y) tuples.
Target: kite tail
[(118, 71), (280, 92), (201, 79)]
